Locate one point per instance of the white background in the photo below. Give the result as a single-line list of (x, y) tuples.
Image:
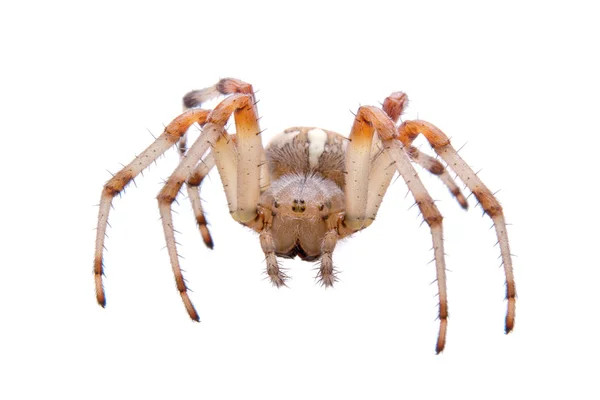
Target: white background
[(83, 83)]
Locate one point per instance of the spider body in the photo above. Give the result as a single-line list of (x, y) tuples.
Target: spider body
[(306, 195), (308, 189)]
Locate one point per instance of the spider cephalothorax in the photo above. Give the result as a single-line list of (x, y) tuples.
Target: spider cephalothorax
[(308, 189)]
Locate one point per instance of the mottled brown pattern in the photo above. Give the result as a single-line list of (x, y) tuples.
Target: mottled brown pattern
[(488, 202), (170, 191), (292, 157), (118, 182), (430, 212)]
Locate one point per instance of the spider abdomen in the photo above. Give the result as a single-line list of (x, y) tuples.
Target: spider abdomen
[(302, 150)]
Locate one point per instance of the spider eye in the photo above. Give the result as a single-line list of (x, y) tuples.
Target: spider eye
[(321, 207), (299, 206), (275, 204)]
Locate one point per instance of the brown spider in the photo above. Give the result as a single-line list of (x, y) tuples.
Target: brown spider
[(308, 189)]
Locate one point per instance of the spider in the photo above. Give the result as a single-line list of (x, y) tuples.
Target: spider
[(308, 189)]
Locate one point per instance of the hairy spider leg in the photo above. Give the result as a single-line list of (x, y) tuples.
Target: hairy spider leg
[(433, 217), (242, 107), (274, 272), (193, 186), (170, 136), (440, 143), (368, 121), (194, 99)]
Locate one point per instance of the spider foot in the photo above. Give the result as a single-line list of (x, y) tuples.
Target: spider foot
[(208, 241), (327, 276), (441, 341), (101, 299), (509, 322), (278, 278), (98, 273), (189, 307), (443, 317)]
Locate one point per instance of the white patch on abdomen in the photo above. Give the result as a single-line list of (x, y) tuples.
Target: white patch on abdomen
[(283, 138), (316, 146)]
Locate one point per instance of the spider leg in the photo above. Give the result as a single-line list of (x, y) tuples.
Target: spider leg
[(227, 160), (193, 188), (277, 276), (242, 166), (193, 185), (170, 136), (394, 106), (359, 189), (224, 87), (381, 172), (408, 131), (166, 197), (437, 168), (182, 144), (242, 106), (358, 160), (225, 153), (249, 155), (327, 273), (432, 216)]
